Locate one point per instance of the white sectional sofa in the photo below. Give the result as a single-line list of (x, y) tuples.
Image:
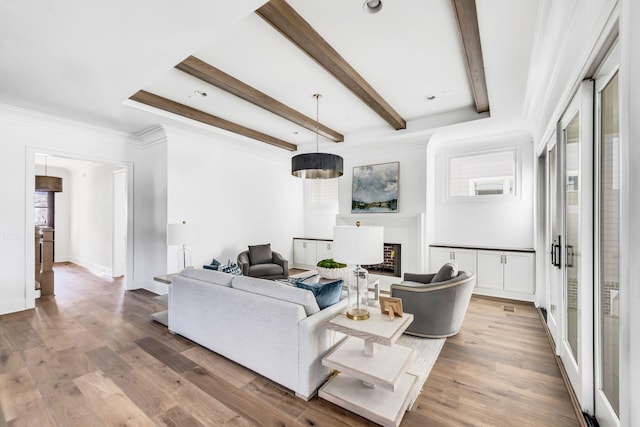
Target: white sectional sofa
[(269, 327)]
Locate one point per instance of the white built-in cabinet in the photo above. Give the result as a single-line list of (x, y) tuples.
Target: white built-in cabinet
[(465, 258), (499, 273), (307, 252)]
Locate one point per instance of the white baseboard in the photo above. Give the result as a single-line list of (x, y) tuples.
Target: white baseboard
[(153, 286), (96, 268), (12, 305), (520, 296)]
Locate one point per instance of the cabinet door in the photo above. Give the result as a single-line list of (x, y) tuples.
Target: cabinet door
[(438, 257), (310, 252), (298, 251), (490, 270), (519, 272), (323, 250), (466, 260)]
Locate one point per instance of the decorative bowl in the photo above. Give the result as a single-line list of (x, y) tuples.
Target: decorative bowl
[(333, 273)]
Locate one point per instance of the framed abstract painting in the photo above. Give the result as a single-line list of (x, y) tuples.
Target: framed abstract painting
[(375, 188)]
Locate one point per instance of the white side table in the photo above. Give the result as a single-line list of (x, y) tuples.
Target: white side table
[(373, 382)]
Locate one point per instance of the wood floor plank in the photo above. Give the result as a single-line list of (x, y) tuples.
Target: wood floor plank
[(109, 402), (239, 401), (91, 356), (207, 410), (166, 355), (21, 402), (176, 417), (237, 375), (68, 406)]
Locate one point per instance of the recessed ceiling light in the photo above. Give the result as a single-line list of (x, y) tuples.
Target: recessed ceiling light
[(200, 93), (430, 97), (372, 6)]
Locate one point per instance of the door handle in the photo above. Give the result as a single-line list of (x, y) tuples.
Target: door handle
[(570, 255), (556, 255)]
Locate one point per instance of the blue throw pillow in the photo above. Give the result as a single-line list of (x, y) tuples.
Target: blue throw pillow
[(326, 293)]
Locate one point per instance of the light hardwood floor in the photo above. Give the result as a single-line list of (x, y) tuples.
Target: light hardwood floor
[(90, 356)]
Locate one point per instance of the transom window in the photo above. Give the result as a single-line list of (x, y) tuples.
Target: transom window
[(483, 174)]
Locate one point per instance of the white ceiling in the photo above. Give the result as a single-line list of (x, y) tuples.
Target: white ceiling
[(82, 60)]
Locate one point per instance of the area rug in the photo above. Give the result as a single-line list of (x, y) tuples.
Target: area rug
[(427, 351)]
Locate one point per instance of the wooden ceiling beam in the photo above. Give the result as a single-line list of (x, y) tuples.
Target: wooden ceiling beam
[(281, 16), (467, 18), (165, 104), (218, 78)]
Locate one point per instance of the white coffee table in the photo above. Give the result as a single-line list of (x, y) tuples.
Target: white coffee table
[(373, 381)]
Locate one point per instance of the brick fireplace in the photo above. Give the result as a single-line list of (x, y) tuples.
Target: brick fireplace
[(391, 265)]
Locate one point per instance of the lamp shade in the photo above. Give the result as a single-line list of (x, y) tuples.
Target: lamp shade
[(317, 166), (178, 234), (48, 183), (358, 244)]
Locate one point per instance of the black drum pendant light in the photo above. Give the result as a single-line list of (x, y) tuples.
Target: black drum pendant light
[(317, 165)]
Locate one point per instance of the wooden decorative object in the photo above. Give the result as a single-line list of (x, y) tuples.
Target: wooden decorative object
[(391, 306)]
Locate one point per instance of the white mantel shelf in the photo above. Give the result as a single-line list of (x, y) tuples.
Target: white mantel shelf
[(381, 217)]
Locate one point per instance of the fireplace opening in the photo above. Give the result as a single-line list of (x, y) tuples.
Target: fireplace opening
[(391, 265)]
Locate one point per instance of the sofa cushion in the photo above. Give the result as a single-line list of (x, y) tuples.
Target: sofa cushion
[(277, 290), (211, 276), (263, 270), (446, 272), (326, 293), (260, 254)]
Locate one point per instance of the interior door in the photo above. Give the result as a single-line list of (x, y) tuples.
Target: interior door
[(607, 232), (576, 257)]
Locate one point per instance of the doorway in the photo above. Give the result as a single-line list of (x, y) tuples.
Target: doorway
[(583, 223), (91, 214)]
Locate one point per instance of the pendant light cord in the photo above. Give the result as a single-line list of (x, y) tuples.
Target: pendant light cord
[(317, 96)]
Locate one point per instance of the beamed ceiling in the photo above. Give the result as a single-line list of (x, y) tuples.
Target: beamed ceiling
[(278, 27), (416, 68)]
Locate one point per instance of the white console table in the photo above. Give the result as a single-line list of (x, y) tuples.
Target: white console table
[(373, 381)]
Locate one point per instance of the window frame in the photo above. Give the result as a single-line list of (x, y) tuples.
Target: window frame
[(517, 170)]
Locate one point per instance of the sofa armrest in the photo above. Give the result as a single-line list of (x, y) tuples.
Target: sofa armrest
[(279, 259), (420, 278), (243, 262)]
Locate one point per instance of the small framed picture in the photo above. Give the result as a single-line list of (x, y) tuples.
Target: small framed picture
[(391, 306)]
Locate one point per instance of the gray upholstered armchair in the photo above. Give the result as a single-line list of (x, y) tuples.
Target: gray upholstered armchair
[(439, 307), (261, 261)]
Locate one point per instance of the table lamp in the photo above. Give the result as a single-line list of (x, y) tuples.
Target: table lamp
[(358, 245)]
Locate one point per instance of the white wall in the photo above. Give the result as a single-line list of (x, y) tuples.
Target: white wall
[(504, 223), (566, 34), (412, 194), (91, 216), (406, 226), (236, 194), (22, 134), (319, 220)]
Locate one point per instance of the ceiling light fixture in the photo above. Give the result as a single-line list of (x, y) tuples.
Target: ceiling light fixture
[(48, 183), (317, 165), (372, 6), (200, 93)]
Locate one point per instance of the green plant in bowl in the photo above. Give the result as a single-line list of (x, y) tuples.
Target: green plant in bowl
[(330, 263)]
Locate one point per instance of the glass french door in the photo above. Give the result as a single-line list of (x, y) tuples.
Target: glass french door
[(583, 223), (574, 244), (554, 240), (607, 358)]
